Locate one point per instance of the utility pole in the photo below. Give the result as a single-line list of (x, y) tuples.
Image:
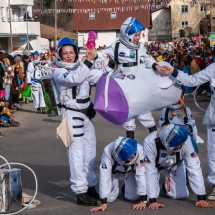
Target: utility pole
[(26, 19), (55, 43), (11, 38)]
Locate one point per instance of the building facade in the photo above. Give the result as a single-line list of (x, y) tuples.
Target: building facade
[(187, 15), (20, 28), (106, 18), (161, 24)]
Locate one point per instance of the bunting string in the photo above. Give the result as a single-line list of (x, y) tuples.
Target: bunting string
[(101, 10)]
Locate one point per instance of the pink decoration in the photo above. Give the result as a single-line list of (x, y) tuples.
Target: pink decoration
[(91, 40)]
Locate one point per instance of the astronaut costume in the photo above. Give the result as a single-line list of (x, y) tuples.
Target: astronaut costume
[(180, 115), (113, 166), (73, 79), (130, 58), (33, 78), (200, 78), (161, 154)]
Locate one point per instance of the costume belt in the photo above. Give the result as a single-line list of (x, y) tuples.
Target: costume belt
[(35, 80)]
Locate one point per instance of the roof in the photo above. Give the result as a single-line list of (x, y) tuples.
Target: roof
[(49, 33), (102, 21), (160, 8)]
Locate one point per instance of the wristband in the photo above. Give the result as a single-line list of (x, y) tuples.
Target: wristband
[(104, 201), (201, 197), (175, 73), (152, 200), (143, 198), (154, 65)]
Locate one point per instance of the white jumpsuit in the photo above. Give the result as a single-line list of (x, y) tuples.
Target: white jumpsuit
[(82, 152), (33, 76), (109, 181), (126, 55), (177, 188), (179, 120), (200, 78)]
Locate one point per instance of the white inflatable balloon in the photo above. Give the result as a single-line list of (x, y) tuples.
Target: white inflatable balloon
[(119, 100)]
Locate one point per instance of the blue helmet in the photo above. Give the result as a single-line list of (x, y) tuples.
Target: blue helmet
[(63, 42), (37, 53), (172, 136), (125, 148)]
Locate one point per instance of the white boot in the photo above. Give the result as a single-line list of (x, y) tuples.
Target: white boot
[(212, 195)]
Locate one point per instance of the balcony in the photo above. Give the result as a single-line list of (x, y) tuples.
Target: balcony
[(20, 28), (22, 2)]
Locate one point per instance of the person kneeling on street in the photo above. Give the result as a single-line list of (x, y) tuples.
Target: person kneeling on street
[(171, 149), (123, 157)]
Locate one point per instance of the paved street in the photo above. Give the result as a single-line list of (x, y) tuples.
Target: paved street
[(34, 143)]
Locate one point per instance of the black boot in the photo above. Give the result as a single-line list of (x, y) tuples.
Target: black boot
[(38, 110), (130, 134), (93, 193), (85, 199), (153, 128)]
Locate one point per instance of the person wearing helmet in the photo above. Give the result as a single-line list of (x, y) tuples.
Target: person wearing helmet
[(130, 56), (123, 157), (72, 93), (199, 78), (180, 114), (170, 149), (33, 79)]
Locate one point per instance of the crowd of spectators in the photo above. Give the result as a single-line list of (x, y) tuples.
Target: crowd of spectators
[(14, 89), (188, 55)]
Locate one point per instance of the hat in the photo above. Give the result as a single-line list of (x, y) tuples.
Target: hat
[(172, 136), (18, 59), (124, 148), (159, 58), (37, 53), (65, 41)]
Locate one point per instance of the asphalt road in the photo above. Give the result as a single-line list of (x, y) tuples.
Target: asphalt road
[(34, 143)]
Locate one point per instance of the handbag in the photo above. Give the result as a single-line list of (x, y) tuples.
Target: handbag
[(65, 133), (63, 130)]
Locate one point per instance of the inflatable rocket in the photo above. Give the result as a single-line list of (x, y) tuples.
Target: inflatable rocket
[(119, 100)]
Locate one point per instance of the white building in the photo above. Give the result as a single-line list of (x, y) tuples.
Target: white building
[(19, 26), (161, 24)]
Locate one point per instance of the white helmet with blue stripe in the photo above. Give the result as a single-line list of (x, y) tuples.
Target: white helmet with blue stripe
[(173, 136), (124, 148), (128, 29)]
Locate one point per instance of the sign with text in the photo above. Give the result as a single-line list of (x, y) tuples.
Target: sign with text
[(23, 38)]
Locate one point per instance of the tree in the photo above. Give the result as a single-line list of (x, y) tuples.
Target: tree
[(181, 33)]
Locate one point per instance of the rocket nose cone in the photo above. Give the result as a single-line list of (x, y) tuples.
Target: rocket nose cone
[(117, 109)]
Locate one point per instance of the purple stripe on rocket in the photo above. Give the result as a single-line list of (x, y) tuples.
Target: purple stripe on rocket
[(117, 110)]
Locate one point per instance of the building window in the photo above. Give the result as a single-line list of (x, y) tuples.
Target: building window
[(92, 15), (3, 14), (201, 8), (184, 8), (184, 24), (8, 16), (112, 15)]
